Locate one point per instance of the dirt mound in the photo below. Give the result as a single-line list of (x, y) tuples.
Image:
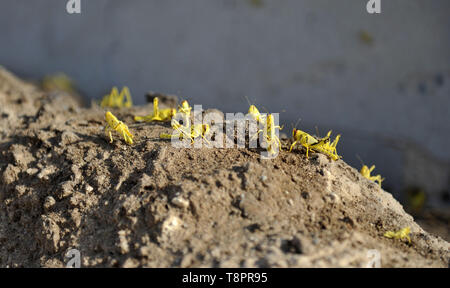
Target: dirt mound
[(63, 186)]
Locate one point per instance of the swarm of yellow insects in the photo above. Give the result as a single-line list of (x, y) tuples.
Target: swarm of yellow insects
[(112, 123), (321, 145), (365, 171), (116, 100), (400, 235), (187, 131), (158, 114), (269, 136)]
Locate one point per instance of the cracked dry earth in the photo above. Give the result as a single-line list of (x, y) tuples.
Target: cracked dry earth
[(63, 186)]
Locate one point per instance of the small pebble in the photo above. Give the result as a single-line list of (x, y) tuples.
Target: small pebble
[(49, 202), (44, 174), (333, 196), (32, 171), (172, 223), (305, 195), (180, 202)]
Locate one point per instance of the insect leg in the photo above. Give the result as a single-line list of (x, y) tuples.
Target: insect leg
[(128, 102), (114, 98), (409, 239), (256, 135), (109, 134), (292, 146), (279, 143), (128, 136)]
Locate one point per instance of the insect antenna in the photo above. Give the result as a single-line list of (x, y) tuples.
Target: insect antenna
[(317, 131), (248, 100), (360, 160), (296, 123)]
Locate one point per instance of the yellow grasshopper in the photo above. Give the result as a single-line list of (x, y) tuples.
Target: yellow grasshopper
[(114, 124), (158, 115), (192, 132), (365, 171), (58, 82), (254, 113), (185, 111), (186, 129), (401, 234), (185, 108), (321, 145), (272, 140), (326, 147), (116, 100), (199, 130), (303, 139)]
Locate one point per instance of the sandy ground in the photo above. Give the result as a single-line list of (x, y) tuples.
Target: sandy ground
[(63, 186)]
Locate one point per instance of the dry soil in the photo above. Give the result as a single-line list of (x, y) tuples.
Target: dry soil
[(64, 186)]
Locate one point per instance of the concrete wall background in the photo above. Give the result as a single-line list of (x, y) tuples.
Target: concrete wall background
[(382, 80)]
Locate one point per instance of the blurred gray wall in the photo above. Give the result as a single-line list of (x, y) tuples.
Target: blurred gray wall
[(383, 81)]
